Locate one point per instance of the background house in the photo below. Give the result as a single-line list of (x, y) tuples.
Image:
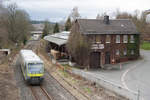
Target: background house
[(113, 41), (37, 31)]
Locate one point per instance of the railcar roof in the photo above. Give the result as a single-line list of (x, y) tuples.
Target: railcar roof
[(30, 56)]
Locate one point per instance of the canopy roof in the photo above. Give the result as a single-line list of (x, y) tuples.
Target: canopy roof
[(58, 38)]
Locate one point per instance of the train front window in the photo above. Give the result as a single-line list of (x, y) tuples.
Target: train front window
[(34, 68)]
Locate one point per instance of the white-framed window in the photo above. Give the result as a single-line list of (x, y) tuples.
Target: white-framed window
[(132, 52), (108, 38), (117, 52), (125, 52), (125, 38), (98, 39), (131, 38), (117, 38)]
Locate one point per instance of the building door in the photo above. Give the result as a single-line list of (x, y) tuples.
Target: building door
[(95, 60), (107, 58)]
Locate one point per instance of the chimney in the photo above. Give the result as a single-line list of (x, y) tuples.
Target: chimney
[(106, 19)]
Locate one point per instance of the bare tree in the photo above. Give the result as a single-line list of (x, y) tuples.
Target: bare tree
[(75, 14), (79, 48), (123, 15), (100, 16), (3, 33), (16, 23), (139, 21)]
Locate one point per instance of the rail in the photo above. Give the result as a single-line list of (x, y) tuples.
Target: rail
[(48, 96), (43, 90), (62, 85), (88, 98), (33, 93)]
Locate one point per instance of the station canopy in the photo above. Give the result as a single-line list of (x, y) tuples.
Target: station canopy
[(58, 38)]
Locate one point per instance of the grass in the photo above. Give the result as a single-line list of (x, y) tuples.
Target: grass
[(64, 73), (68, 66), (145, 45), (88, 90), (65, 66)]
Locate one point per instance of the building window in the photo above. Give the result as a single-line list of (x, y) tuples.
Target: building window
[(98, 39), (125, 52), (117, 52), (125, 38), (132, 52), (108, 38), (132, 39), (93, 39), (117, 38)]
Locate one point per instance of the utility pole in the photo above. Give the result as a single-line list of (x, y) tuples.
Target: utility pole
[(138, 98)]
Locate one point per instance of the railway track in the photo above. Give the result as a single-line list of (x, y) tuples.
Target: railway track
[(88, 98), (48, 96), (39, 93), (61, 85)]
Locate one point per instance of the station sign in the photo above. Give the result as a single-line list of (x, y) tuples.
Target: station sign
[(97, 46)]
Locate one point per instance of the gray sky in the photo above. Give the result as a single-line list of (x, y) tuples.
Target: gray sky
[(57, 10)]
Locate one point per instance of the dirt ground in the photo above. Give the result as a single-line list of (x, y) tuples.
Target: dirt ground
[(8, 88)]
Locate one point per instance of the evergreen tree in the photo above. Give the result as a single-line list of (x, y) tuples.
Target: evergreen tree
[(46, 29), (68, 24), (56, 28)]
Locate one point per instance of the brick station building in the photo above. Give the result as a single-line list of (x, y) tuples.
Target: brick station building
[(113, 41)]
